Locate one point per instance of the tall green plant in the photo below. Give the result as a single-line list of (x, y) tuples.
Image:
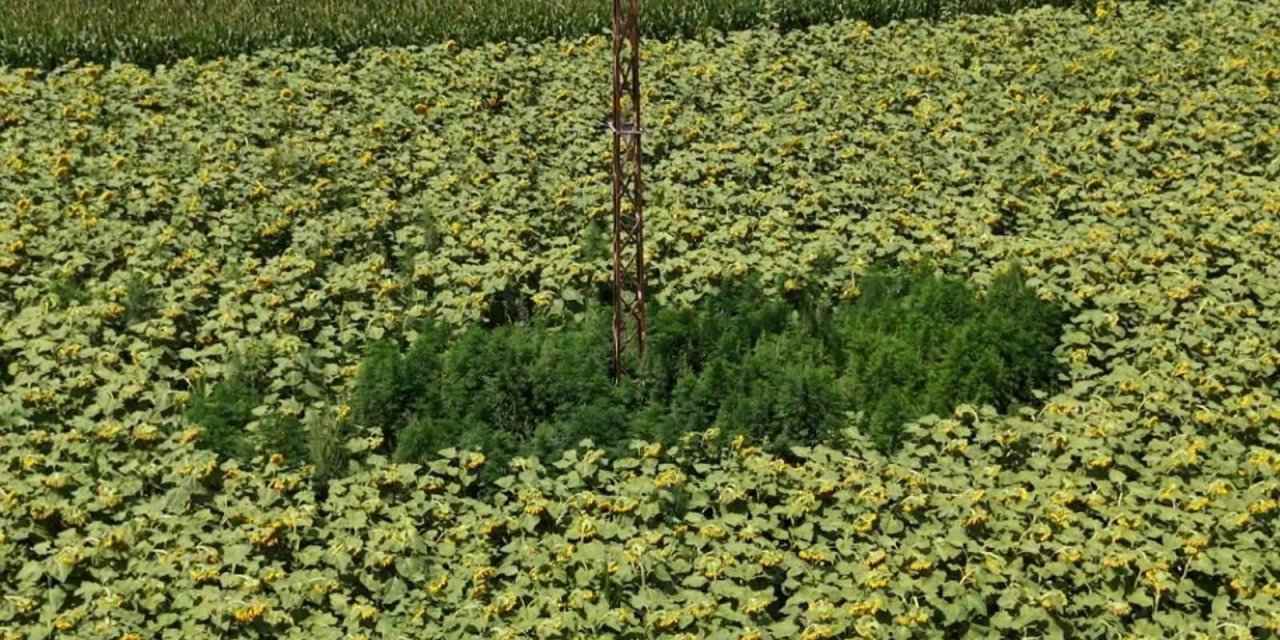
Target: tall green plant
[(782, 373), (224, 411)]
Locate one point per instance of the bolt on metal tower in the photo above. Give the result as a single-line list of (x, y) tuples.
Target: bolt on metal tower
[(628, 187)]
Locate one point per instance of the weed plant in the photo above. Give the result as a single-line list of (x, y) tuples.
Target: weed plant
[(781, 373), (225, 410)]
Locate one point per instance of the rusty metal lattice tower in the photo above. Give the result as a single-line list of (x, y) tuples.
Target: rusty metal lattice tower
[(628, 187)]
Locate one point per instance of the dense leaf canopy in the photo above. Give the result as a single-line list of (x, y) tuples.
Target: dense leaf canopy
[(154, 223)]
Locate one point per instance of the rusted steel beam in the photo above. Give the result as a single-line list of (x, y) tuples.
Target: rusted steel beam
[(628, 188)]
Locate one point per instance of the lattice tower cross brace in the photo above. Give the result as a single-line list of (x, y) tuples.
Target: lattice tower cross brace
[(628, 187)]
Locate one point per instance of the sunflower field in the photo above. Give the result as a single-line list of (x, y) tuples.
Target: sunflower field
[(291, 206)]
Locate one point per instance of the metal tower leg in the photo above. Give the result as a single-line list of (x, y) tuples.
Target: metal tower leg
[(628, 187)]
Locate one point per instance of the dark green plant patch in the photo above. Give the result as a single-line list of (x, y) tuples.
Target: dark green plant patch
[(781, 373), (224, 411)]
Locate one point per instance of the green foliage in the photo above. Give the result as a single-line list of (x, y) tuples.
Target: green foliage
[(138, 300), (67, 291), (783, 395), (1128, 161), (284, 436), (504, 390), (382, 383), (782, 374), (326, 439), (226, 409), (923, 345), (151, 32)]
